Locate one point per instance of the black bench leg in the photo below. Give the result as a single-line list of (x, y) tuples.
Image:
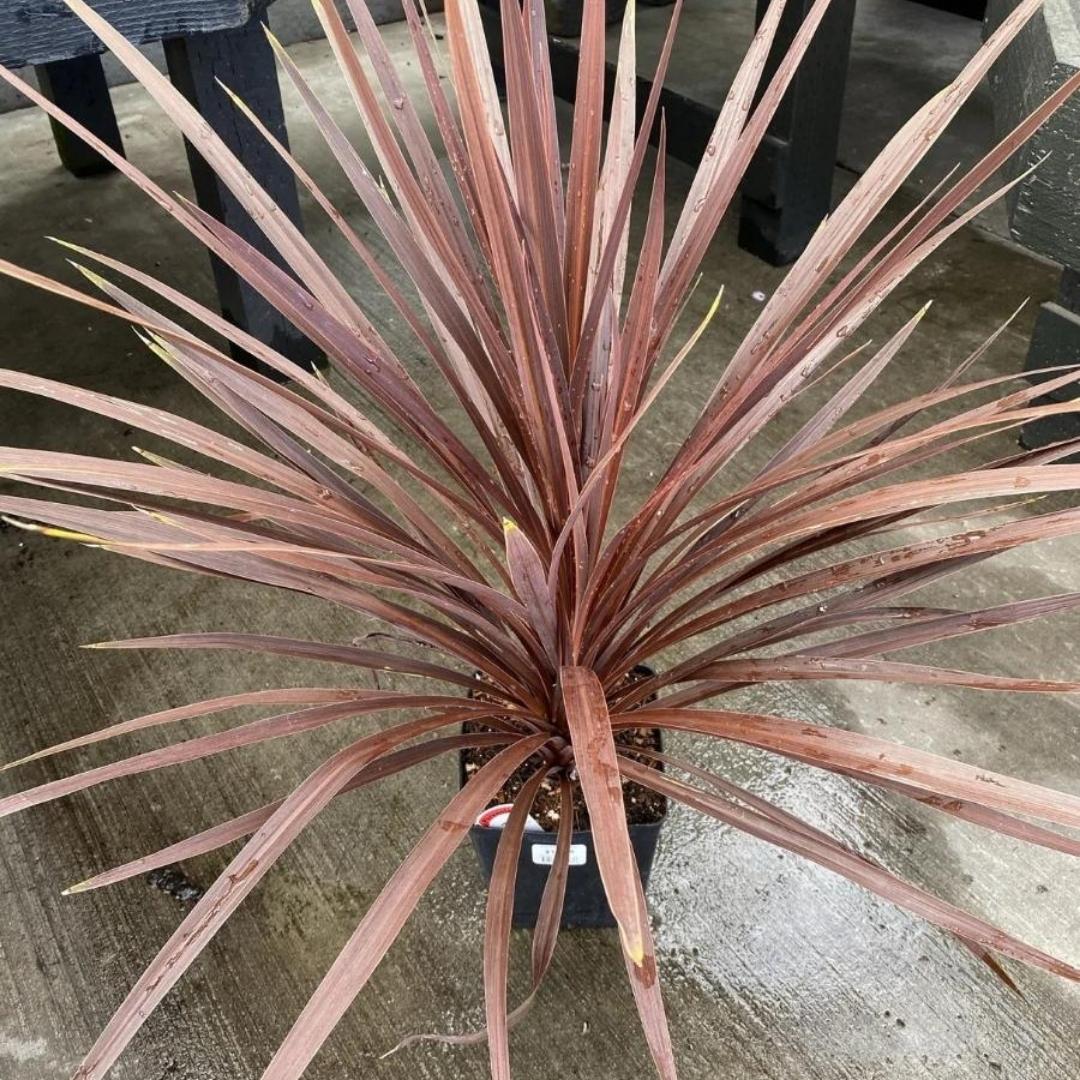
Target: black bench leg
[(1055, 341), (78, 86), (788, 187), (243, 60)]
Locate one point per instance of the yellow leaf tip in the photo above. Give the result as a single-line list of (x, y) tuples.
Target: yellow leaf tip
[(70, 246), (92, 276), (633, 947), (78, 887), (48, 530), (37, 755), (509, 525), (68, 534)]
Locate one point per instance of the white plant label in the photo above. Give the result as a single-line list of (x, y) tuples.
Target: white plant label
[(544, 854)]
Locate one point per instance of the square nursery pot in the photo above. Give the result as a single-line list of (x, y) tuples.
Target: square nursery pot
[(585, 905)]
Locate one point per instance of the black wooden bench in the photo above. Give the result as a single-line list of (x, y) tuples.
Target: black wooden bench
[(202, 40), (1044, 211), (788, 188)]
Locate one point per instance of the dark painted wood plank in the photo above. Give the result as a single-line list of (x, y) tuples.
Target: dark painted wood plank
[(78, 86), (690, 122), (970, 9), (242, 59), (788, 188), (38, 31), (1055, 341), (1044, 208)]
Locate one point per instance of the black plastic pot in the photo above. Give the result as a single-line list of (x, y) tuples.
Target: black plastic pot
[(585, 905)]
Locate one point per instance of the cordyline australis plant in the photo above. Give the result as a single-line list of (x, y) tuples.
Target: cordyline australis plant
[(500, 547)]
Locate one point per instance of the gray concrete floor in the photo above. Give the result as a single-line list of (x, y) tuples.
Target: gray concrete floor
[(773, 968)]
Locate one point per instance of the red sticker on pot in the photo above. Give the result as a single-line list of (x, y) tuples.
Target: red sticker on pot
[(495, 817)]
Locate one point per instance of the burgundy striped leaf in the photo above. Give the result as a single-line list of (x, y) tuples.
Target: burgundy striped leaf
[(257, 731), (237, 828), (500, 910), (529, 576), (855, 868), (248, 868), (545, 933), (286, 696), (506, 378), (869, 757), (296, 648), (598, 772), (387, 915), (794, 668)]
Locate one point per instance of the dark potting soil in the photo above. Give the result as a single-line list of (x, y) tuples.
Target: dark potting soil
[(643, 805), (174, 882)]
